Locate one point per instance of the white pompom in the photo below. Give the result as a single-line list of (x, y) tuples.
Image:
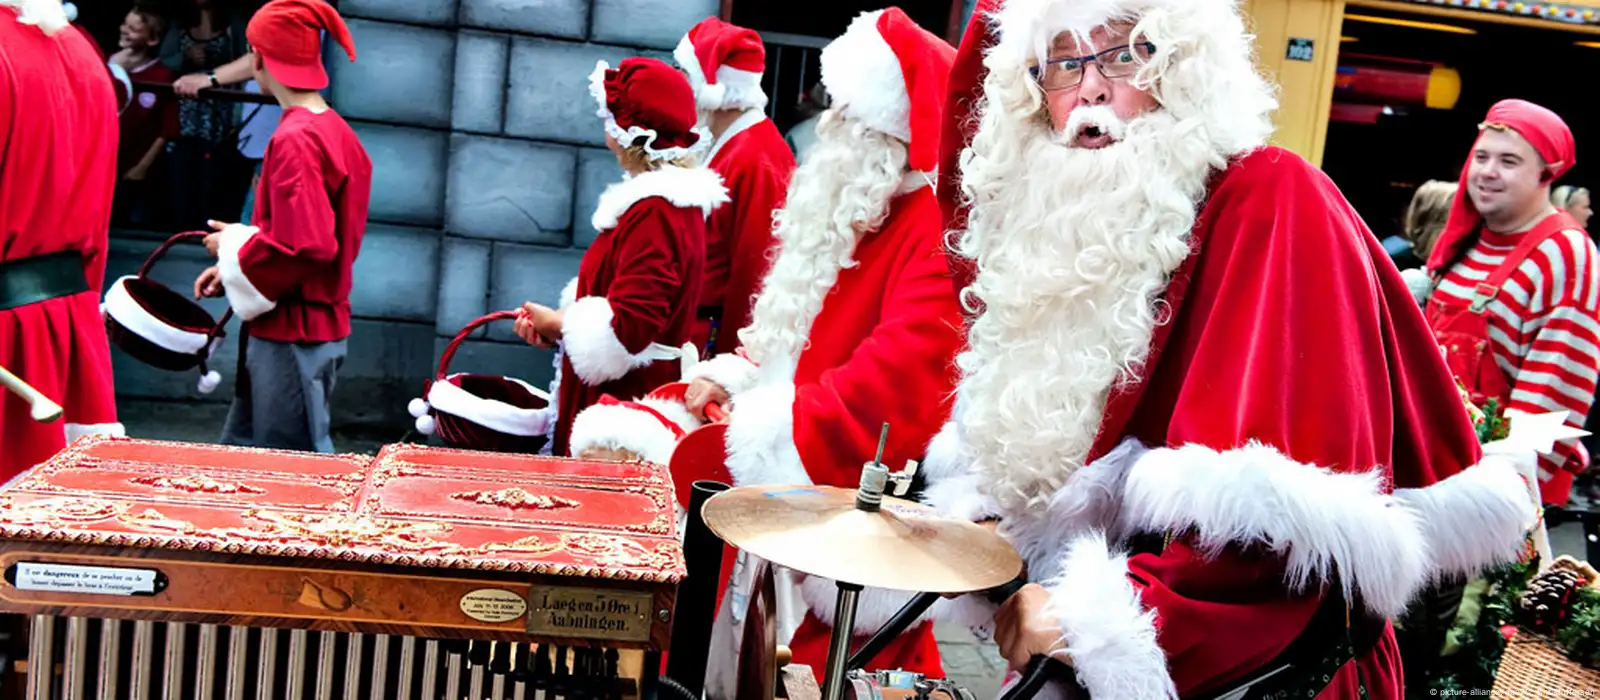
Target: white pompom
[(71, 11), (425, 424), (209, 381), (417, 408)]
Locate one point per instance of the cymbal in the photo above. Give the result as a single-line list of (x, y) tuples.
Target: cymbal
[(904, 546)]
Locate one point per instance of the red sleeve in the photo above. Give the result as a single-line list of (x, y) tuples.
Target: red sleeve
[(909, 354), (1292, 336), (300, 237), (757, 194), (649, 275)]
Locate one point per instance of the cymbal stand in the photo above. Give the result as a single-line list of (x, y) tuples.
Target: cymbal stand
[(869, 498)]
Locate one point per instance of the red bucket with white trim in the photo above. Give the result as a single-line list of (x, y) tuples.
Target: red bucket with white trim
[(481, 411), (161, 327)]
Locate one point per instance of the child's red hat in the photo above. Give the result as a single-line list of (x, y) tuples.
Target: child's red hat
[(287, 35)]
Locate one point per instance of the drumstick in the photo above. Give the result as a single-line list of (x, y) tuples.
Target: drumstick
[(41, 408)]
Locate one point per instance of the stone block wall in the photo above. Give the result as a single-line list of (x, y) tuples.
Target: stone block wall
[(488, 160)]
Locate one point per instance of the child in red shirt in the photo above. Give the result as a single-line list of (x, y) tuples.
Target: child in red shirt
[(288, 276), (150, 117)]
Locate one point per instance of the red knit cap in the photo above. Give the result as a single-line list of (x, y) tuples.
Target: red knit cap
[(287, 35), (644, 97)]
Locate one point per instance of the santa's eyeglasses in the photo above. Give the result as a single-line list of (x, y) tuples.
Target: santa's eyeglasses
[(1067, 72)]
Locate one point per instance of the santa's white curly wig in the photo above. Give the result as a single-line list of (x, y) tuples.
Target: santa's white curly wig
[(1073, 246), (841, 192)]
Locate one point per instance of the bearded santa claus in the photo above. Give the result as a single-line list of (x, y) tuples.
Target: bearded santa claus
[(1195, 396), (58, 155), (857, 323)]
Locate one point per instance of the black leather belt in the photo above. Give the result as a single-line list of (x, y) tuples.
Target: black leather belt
[(708, 312), (41, 278)]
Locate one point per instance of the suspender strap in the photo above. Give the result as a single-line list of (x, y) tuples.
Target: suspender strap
[(1485, 291)]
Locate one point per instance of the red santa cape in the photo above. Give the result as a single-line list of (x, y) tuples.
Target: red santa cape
[(1293, 427), (58, 132), (880, 347), (725, 63)]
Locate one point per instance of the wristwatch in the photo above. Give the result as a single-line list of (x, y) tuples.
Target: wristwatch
[(213, 76)]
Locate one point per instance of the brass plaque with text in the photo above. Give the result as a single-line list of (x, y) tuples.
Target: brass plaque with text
[(586, 613)]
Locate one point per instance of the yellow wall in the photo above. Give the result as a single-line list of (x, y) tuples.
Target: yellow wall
[(1305, 87)]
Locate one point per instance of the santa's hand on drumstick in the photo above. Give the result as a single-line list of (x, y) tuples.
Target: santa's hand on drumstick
[(703, 392)]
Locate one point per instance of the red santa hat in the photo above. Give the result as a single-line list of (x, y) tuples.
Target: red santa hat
[(161, 327), (1544, 130), (287, 35), (724, 63), (889, 74), (645, 98), (479, 411)]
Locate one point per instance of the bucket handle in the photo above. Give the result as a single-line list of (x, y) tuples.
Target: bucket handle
[(461, 337), (197, 236)]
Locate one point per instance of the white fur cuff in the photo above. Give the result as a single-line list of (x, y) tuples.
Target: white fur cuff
[(247, 301), (761, 447), (78, 430), (569, 294), (733, 372), (1325, 524), (1475, 519), (1109, 635), (591, 343)]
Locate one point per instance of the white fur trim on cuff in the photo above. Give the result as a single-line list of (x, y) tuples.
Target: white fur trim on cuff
[(874, 606), (622, 428), (78, 430), (683, 187), (1108, 633), (590, 342), (733, 372), (246, 300), (1475, 519), (1322, 522), (760, 440), (495, 415), (125, 310), (864, 77), (569, 294)]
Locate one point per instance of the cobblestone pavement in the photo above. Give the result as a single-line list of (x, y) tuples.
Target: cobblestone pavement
[(970, 662)]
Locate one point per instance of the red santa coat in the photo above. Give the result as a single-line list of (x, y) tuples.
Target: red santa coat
[(58, 147), (636, 291), (1296, 420), (881, 349), (755, 163), (290, 275)]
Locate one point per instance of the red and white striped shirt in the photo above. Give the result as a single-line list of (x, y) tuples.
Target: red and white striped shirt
[(1544, 332)]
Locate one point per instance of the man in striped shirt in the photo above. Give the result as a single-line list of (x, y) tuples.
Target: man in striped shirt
[(1517, 303)]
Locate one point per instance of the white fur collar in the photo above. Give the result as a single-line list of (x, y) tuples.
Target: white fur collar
[(683, 187), (50, 15)]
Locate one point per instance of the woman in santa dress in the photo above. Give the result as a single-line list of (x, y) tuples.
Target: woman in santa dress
[(633, 307)]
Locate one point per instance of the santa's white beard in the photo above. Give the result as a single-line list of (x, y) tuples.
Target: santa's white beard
[(841, 192), (1074, 248)]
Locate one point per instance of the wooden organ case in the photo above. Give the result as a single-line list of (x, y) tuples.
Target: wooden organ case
[(138, 570)]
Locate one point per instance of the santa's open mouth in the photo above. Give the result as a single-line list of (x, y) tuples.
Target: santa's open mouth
[(1092, 136)]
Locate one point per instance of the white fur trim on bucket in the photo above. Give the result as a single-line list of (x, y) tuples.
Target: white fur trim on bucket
[(499, 416), (122, 307)]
